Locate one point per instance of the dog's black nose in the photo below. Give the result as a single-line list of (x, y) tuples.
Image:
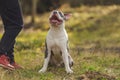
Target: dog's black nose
[(55, 12)]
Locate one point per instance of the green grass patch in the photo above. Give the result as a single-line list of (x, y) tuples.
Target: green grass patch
[(89, 27)]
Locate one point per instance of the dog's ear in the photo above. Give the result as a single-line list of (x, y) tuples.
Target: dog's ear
[(67, 16)]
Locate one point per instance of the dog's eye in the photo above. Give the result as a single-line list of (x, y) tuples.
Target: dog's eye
[(61, 14)]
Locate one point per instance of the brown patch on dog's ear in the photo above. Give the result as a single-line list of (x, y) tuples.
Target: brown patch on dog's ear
[(67, 16)]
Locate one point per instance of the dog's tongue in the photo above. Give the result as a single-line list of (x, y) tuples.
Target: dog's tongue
[(54, 21)]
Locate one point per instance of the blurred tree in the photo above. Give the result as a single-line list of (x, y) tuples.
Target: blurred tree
[(26, 6), (34, 11)]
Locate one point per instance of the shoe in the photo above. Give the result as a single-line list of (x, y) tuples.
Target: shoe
[(16, 66), (5, 63)]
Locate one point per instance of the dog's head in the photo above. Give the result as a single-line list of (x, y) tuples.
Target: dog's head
[(58, 18)]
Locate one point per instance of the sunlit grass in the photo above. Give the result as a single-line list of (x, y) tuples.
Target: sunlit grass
[(88, 27)]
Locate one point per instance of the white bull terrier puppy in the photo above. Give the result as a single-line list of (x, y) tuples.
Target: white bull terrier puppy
[(57, 52)]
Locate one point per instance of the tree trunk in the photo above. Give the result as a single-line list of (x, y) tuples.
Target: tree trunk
[(34, 10)]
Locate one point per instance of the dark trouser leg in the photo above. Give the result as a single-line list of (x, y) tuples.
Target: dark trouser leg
[(13, 23), (10, 53), (8, 39)]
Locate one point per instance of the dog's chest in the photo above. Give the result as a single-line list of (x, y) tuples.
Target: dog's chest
[(56, 38)]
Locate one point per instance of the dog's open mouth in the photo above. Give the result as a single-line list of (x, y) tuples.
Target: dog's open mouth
[(55, 20)]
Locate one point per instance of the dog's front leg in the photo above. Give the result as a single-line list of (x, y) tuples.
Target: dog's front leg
[(45, 65), (70, 60), (66, 61)]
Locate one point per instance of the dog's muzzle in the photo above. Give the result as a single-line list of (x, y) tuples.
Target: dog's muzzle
[(54, 20)]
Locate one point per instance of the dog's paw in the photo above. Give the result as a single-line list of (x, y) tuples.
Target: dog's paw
[(42, 70), (69, 71)]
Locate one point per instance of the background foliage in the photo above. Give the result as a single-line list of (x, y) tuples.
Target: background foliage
[(48, 5)]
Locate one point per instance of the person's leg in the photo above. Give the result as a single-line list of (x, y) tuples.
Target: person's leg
[(13, 23), (8, 39), (10, 53)]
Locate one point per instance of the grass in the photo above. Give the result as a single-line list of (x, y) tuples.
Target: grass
[(91, 30)]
